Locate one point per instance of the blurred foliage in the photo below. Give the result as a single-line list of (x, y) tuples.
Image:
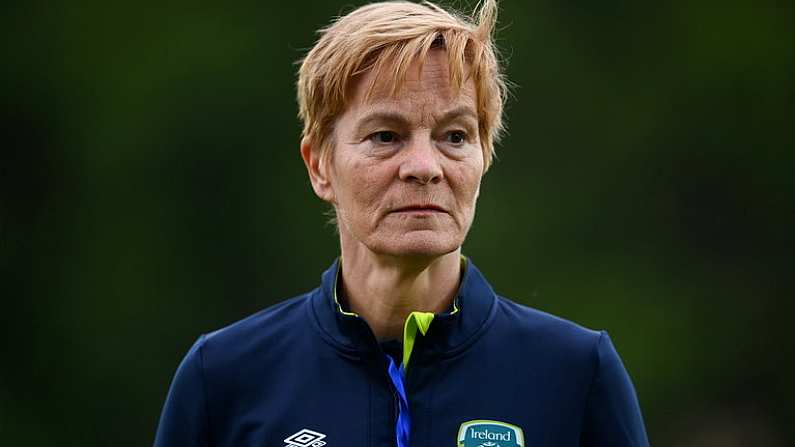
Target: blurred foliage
[(151, 190)]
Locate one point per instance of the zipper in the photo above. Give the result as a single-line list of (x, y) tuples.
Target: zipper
[(395, 412), (395, 401), (402, 421)]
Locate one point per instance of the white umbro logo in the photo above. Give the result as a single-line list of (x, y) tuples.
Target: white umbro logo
[(306, 438)]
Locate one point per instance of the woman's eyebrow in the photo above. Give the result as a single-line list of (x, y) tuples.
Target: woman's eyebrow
[(458, 112), (381, 117)]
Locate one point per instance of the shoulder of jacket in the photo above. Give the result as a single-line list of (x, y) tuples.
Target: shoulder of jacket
[(557, 334), (261, 329)]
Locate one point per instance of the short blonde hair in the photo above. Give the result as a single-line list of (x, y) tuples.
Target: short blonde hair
[(395, 34)]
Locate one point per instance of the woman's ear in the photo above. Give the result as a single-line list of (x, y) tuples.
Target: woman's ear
[(318, 171)]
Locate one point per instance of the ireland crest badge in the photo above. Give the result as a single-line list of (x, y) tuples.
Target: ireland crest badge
[(483, 433)]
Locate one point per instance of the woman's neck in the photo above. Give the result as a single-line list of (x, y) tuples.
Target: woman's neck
[(384, 290)]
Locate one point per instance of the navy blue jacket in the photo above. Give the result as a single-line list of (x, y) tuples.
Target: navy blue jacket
[(495, 373)]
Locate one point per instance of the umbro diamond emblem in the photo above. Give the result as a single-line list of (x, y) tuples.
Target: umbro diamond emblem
[(306, 438)]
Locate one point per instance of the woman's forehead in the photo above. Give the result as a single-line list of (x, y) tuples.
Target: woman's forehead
[(426, 83), (385, 80)]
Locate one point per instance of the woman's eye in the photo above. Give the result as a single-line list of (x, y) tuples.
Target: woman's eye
[(457, 137), (383, 137)]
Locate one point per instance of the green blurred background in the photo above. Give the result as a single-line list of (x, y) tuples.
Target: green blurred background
[(151, 190)]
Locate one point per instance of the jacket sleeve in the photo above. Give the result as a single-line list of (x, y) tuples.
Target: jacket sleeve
[(612, 413), (184, 420)]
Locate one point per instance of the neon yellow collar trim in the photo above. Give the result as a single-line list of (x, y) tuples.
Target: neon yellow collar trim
[(336, 279), (415, 321)]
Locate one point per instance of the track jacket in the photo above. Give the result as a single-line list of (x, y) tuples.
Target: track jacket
[(490, 373)]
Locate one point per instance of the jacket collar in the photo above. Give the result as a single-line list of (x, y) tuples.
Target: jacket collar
[(449, 332)]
